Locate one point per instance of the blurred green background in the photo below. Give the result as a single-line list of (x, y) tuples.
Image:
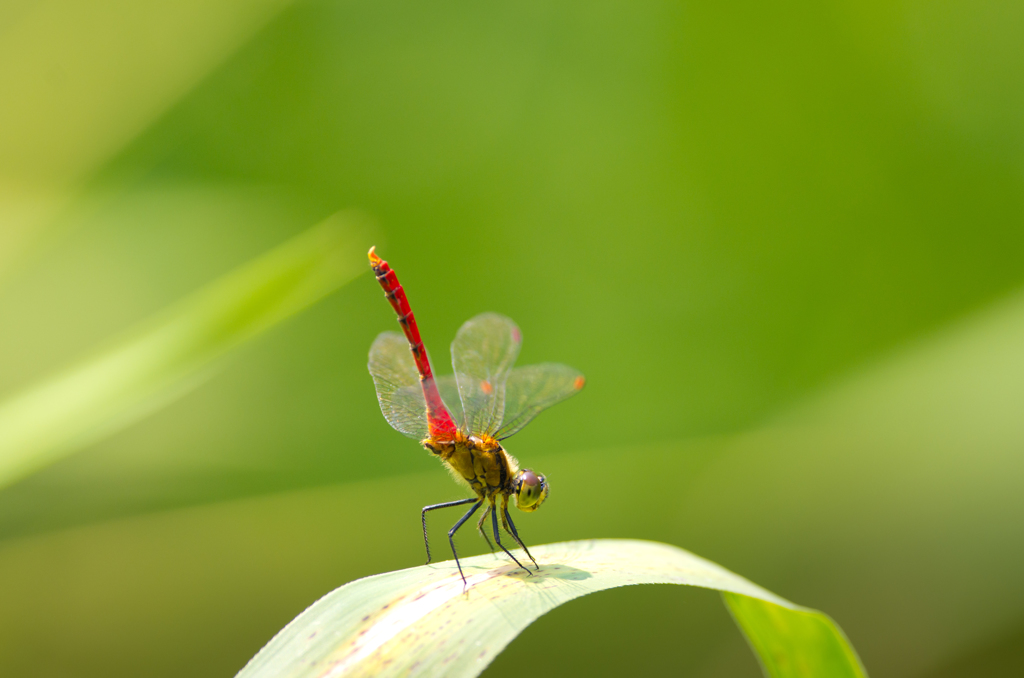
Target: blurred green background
[(783, 241)]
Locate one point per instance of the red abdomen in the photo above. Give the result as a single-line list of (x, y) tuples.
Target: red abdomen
[(439, 419)]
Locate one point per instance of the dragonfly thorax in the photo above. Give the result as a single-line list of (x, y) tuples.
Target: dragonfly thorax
[(480, 462)]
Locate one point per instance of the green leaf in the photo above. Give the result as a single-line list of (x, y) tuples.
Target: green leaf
[(423, 621), (792, 641), (173, 352)]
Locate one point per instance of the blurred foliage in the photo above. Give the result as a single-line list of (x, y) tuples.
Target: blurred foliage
[(782, 242), (171, 354)]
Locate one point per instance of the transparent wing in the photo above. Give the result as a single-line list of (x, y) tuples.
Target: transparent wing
[(449, 390), (532, 389), (398, 385), (483, 352)]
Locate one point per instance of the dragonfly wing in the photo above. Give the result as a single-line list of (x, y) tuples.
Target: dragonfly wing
[(398, 385), (449, 390), (483, 353), (532, 389)]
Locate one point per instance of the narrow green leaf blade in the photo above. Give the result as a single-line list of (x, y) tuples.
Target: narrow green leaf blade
[(794, 642), (171, 353), (421, 621)]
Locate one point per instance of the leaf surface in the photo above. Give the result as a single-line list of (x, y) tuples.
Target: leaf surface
[(422, 622)]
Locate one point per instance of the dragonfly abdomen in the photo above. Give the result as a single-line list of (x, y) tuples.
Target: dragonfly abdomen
[(439, 420)]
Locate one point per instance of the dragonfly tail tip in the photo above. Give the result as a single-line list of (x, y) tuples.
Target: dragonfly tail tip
[(374, 259)]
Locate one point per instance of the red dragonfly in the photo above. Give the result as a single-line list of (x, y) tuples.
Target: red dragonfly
[(461, 419)]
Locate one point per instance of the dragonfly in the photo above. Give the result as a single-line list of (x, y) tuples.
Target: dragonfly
[(462, 419)]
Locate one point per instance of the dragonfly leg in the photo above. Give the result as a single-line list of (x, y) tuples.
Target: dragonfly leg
[(480, 527), (511, 528), (451, 535), (497, 538), (423, 518)]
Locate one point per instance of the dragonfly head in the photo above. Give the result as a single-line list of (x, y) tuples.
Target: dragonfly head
[(531, 490)]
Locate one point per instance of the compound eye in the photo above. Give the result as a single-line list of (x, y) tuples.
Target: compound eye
[(531, 490)]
